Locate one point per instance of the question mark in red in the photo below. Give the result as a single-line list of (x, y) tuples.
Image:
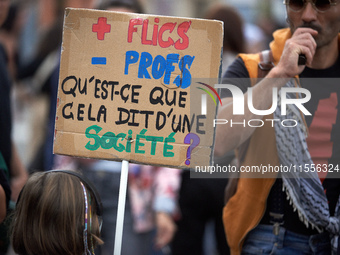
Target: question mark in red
[(195, 141)]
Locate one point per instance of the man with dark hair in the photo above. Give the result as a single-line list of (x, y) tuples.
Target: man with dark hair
[(295, 211)]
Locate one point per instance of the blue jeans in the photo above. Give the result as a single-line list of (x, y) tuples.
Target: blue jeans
[(261, 240)]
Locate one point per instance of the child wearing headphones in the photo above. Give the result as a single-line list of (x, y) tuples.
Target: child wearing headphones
[(58, 212)]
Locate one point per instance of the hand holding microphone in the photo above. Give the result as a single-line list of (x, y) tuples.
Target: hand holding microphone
[(298, 52), (302, 60)]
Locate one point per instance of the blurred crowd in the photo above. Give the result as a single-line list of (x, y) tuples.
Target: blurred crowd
[(167, 212)]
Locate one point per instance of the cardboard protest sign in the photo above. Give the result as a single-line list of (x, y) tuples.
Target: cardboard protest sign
[(128, 87)]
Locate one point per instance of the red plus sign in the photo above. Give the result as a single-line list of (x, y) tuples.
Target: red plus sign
[(101, 28)]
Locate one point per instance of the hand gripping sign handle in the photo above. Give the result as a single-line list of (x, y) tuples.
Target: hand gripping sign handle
[(121, 207)]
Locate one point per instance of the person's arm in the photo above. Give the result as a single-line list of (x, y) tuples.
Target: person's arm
[(167, 182), (18, 173), (166, 229), (229, 137)]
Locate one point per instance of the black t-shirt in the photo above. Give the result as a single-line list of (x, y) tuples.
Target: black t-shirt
[(323, 123), (5, 118)]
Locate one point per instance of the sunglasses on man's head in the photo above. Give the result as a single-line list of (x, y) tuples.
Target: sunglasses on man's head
[(319, 5)]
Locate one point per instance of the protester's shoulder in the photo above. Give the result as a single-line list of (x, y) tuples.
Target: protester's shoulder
[(236, 74), (237, 69), (244, 66)]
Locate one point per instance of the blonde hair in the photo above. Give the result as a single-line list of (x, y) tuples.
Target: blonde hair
[(50, 216)]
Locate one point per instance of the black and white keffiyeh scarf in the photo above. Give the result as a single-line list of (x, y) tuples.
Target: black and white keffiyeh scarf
[(303, 188)]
